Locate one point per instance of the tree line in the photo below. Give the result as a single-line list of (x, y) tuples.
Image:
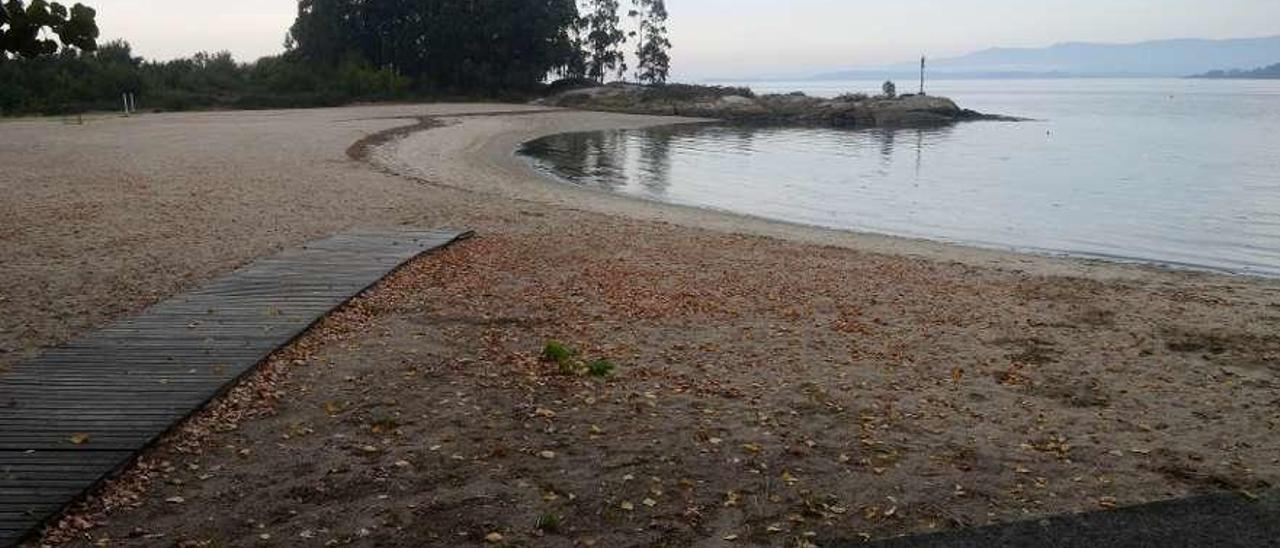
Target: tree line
[(338, 51)]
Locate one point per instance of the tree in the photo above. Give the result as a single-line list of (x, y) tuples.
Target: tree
[(453, 45), (604, 40), (890, 89), (653, 62), (22, 28)]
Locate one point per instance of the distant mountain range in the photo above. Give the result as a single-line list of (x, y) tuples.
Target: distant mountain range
[(1161, 58), (1269, 72)]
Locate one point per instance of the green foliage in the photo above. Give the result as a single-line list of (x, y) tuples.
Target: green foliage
[(22, 28), (548, 522), (383, 423), (600, 368), (443, 45), (568, 362), (338, 51), (557, 352), (79, 81), (653, 61), (603, 40)]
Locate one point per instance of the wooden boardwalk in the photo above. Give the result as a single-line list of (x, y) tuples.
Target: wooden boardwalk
[(117, 390)]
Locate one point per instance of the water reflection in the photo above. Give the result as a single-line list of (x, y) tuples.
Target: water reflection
[(641, 161)]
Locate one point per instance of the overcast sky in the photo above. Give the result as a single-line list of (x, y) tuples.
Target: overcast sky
[(735, 38)]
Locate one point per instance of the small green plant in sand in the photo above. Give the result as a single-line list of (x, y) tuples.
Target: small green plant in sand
[(556, 351), (383, 423), (568, 361), (548, 522), (600, 368)]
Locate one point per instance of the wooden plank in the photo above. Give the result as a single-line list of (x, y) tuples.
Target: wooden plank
[(126, 385)]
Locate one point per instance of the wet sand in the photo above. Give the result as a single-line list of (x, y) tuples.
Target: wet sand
[(774, 384)]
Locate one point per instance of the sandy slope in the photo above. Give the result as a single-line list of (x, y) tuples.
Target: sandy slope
[(773, 381)]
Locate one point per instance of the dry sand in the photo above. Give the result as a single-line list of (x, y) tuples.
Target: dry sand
[(775, 384)]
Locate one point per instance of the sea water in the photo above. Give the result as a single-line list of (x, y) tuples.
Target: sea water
[(1168, 171)]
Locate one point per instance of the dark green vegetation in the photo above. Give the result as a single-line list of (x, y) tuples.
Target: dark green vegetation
[(21, 27), (568, 362), (557, 352), (337, 51), (1267, 72)]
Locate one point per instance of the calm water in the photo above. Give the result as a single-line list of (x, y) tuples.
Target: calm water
[(1176, 172)]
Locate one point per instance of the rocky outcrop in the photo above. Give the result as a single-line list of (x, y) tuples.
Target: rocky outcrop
[(737, 104)]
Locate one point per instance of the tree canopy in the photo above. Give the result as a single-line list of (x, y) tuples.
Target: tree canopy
[(653, 61), (450, 44), (23, 28), (337, 51), (483, 44), (604, 39)]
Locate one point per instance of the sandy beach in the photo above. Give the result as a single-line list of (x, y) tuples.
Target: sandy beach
[(775, 384)]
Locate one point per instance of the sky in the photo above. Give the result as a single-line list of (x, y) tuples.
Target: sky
[(759, 38)]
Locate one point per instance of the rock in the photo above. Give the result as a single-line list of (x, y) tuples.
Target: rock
[(738, 104)]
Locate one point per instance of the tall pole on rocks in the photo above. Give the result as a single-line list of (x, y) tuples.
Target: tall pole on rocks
[(921, 75)]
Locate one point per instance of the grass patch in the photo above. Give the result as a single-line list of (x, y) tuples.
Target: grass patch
[(600, 368), (548, 522), (556, 351), (567, 360), (383, 423)]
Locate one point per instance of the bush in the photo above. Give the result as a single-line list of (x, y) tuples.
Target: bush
[(568, 84), (600, 368), (556, 351), (890, 89)]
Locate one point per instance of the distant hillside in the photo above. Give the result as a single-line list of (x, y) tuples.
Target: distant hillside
[(1267, 72), (1162, 58)]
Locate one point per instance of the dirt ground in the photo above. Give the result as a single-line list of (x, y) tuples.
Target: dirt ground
[(767, 390)]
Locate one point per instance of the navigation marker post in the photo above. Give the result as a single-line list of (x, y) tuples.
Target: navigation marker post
[(921, 75)]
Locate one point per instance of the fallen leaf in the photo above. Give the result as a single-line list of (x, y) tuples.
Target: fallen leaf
[(79, 439), (788, 478)]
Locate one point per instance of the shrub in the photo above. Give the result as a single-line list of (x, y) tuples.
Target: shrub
[(890, 89), (600, 368), (548, 522), (556, 351), (689, 92), (852, 97)]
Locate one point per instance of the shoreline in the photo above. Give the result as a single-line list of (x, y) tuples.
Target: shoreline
[(1086, 258), (773, 383), (499, 160)]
